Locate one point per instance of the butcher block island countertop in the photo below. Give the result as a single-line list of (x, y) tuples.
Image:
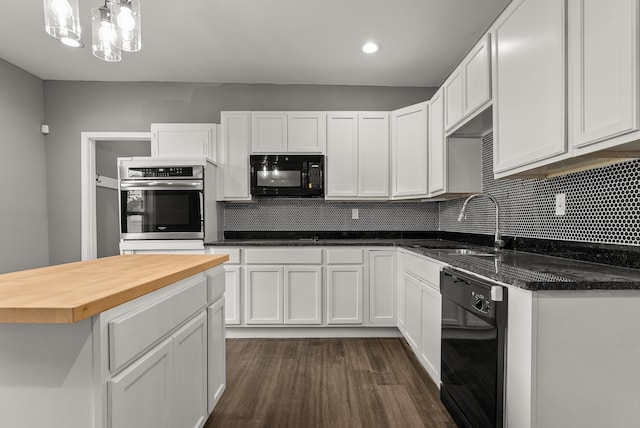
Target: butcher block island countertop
[(72, 292)]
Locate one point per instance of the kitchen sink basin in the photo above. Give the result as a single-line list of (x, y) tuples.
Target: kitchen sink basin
[(464, 252)]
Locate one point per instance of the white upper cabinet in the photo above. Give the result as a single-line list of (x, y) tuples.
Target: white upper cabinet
[(409, 152), (175, 140), (476, 69), (288, 132), (603, 70), (437, 175), (469, 86), (373, 155), (268, 132), (529, 85), (307, 132), (357, 165), (233, 176), (342, 156), (453, 95)]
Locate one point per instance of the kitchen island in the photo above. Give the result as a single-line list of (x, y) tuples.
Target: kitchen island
[(124, 341)]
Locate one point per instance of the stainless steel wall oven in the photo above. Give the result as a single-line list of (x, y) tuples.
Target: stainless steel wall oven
[(163, 199)]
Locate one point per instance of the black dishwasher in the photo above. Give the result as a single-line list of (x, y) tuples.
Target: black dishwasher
[(473, 349)]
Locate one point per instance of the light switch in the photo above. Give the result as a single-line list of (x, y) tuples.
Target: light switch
[(355, 214), (561, 204)]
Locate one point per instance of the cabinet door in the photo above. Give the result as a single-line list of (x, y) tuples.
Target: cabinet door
[(373, 155), (344, 295), (402, 300), (476, 70), (603, 69), (382, 286), (409, 152), (142, 395), (303, 295), (190, 374), (268, 132), (528, 84), (453, 98), (413, 305), (263, 295), (183, 140), (235, 156), (307, 132), (232, 294), (342, 156), (217, 353), (437, 153), (431, 331)]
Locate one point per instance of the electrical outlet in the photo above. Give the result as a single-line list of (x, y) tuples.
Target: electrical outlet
[(561, 204), (355, 214)]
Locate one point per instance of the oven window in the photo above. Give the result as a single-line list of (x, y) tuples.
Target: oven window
[(278, 178), (161, 211)]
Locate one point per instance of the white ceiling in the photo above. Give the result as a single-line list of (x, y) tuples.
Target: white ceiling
[(263, 41)]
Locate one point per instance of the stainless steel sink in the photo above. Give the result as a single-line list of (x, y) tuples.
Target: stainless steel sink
[(464, 252)]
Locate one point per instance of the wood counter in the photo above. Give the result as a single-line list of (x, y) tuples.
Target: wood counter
[(71, 292)]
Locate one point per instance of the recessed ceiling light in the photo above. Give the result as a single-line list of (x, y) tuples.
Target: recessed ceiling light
[(370, 47)]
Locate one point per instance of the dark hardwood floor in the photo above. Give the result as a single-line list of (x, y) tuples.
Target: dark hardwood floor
[(326, 383)]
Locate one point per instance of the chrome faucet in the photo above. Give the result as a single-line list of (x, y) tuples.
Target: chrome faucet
[(498, 242)]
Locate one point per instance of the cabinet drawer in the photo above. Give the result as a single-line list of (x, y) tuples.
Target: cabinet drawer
[(344, 256), (132, 333), (234, 254), (426, 270), (215, 283), (284, 256)]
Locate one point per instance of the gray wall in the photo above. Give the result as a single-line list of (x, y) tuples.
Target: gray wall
[(74, 107), (23, 198)]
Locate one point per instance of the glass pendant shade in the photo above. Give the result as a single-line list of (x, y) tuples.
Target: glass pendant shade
[(127, 18), (61, 19), (106, 37)]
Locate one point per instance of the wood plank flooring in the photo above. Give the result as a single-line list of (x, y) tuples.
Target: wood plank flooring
[(334, 383)]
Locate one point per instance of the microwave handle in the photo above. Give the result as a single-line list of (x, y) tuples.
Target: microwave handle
[(154, 185)]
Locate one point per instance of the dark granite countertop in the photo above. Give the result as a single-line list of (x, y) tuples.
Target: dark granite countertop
[(527, 270), (537, 272)]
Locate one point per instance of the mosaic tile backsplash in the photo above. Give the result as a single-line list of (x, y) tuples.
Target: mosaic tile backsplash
[(602, 207), (285, 214)]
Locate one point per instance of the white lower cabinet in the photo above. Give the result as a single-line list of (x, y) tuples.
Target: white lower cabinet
[(263, 289), (216, 363), (283, 294), (431, 332), (141, 396), (382, 286), (344, 294), (413, 311), (420, 309), (189, 399), (163, 356), (303, 295)]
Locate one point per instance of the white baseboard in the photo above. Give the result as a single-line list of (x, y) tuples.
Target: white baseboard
[(309, 332)]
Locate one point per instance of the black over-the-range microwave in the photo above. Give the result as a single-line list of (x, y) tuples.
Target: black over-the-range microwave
[(287, 175)]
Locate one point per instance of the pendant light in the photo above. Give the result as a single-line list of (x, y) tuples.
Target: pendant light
[(115, 26), (106, 36), (127, 17), (61, 21)]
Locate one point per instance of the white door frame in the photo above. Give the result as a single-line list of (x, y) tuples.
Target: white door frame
[(87, 183)]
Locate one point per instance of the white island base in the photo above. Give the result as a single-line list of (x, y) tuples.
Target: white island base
[(155, 361)]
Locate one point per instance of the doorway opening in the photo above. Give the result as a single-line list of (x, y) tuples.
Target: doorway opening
[(98, 151)]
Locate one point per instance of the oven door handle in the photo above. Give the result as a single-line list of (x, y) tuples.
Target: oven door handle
[(161, 185)]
